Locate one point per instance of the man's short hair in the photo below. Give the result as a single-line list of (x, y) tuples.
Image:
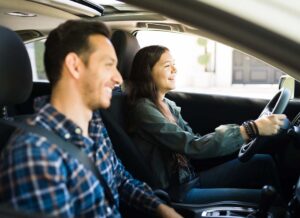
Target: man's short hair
[(71, 36)]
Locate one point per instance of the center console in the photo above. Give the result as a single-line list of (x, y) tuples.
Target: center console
[(232, 209)]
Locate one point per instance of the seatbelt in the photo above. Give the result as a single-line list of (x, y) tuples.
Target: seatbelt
[(72, 149)]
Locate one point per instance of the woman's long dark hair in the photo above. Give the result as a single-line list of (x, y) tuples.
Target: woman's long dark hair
[(140, 83)]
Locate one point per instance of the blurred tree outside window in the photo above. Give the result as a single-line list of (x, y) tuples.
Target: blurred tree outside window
[(39, 49), (207, 58)]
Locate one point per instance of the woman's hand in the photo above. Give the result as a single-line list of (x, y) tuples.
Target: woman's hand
[(270, 124), (165, 211)]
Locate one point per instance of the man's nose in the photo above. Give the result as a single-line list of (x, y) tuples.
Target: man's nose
[(117, 77)]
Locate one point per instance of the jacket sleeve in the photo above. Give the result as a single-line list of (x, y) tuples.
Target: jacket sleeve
[(151, 125)]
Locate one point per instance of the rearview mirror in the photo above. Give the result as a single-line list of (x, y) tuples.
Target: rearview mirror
[(291, 84)]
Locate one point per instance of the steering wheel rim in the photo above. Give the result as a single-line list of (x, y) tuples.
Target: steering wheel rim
[(276, 105)]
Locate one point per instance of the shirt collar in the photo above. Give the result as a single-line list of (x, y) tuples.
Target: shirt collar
[(55, 120), (40, 101), (58, 122), (172, 105)]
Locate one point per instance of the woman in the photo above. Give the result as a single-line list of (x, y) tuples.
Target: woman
[(167, 142)]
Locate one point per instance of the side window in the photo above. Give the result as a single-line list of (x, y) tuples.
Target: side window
[(206, 66), (36, 51)]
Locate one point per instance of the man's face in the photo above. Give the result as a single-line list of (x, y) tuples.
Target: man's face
[(100, 74)]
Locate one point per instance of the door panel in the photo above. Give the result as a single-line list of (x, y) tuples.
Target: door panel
[(205, 112)]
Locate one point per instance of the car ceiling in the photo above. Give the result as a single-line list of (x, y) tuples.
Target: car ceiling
[(48, 16)]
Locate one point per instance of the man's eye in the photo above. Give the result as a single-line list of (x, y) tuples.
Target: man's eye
[(109, 64)]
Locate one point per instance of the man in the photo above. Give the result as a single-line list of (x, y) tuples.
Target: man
[(39, 176)]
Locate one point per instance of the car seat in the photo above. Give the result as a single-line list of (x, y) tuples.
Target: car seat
[(15, 87), (15, 76), (15, 71), (126, 46)]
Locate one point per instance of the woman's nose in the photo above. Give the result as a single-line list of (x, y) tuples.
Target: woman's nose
[(174, 69)]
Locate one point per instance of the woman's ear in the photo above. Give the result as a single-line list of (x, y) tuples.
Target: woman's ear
[(72, 64)]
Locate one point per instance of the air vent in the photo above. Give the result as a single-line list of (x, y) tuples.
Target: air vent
[(161, 26), (29, 34)]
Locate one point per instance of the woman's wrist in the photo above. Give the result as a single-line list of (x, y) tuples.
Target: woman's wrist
[(243, 133), (249, 130)]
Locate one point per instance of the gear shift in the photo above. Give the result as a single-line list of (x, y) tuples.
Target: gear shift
[(268, 194)]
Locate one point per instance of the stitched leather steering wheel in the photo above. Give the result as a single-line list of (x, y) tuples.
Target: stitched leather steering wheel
[(275, 106)]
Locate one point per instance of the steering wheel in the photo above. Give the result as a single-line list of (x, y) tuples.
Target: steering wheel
[(275, 106)]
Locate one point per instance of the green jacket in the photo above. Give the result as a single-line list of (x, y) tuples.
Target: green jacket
[(158, 139)]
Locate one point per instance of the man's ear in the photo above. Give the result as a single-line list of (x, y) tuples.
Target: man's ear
[(72, 63)]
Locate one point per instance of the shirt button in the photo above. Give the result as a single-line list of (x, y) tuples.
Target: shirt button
[(78, 131), (67, 136)]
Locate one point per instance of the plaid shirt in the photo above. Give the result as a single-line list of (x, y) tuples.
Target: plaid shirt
[(38, 176)]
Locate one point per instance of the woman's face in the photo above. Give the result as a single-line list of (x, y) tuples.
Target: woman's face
[(164, 73)]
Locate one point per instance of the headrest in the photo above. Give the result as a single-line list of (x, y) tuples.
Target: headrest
[(15, 69), (126, 46)]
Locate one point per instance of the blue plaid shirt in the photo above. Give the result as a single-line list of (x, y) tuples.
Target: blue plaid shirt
[(38, 176)]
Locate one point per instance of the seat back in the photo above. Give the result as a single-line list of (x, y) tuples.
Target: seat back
[(15, 87), (15, 70), (15, 76), (124, 147), (25, 108), (126, 46)]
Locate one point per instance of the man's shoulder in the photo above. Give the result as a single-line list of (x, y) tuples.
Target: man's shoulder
[(27, 143)]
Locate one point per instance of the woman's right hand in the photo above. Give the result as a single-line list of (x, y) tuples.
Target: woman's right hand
[(270, 124)]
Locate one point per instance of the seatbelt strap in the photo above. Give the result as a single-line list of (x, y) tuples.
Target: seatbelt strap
[(72, 149)]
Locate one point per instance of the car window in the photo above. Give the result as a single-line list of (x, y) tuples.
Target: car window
[(206, 66), (36, 51)]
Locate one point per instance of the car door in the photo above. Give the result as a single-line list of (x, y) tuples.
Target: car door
[(204, 112)]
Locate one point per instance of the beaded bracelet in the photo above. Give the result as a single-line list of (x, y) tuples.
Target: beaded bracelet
[(255, 127), (250, 130)]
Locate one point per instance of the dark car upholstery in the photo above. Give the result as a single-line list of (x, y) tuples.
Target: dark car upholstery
[(25, 108), (15, 70), (15, 77), (126, 46)]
